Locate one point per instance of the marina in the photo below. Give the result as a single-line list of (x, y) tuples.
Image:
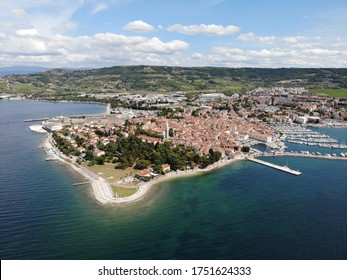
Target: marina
[(297, 134), (275, 166)]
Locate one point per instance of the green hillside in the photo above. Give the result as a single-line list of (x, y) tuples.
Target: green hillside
[(168, 79)]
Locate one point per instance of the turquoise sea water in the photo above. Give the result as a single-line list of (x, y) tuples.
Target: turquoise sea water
[(241, 211)]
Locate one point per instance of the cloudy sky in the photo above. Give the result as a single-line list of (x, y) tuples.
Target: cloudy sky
[(231, 33)]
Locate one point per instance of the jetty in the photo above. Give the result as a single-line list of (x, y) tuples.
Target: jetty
[(36, 120), (82, 183), (275, 166)]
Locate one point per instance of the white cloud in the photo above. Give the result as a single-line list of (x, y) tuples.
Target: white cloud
[(27, 32), (299, 39), (197, 55), (35, 31), (205, 29), (103, 49), (99, 8), (325, 52), (247, 37), (77, 58), (278, 57), (44, 15), (138, 26), (116, 39), (154, 45), (267, 39), (64, 27), (259, 39), (151, 59), (18, 13)]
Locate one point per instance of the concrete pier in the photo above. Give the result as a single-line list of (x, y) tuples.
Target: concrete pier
[(36, 120), (82, 183), (282, 168)]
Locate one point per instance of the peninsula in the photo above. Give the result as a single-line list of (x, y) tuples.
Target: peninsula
[(125, 151), (162, 130)]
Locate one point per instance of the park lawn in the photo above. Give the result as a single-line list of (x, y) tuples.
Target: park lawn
[(107, 170), (123, 192), (331, 92)]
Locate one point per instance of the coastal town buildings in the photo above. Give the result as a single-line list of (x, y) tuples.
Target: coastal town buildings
[(211, 121), (219, 130)]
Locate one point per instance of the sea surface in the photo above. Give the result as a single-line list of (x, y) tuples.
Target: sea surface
[(241, 211)]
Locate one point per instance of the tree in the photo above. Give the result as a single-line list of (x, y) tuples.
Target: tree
[(174, 161), (142, 164), (124, 164), (100, 160), (99, 132), (79, 141), (89, 155), (204, 161), (157, 168), (196, 159), (214, 156), (195, 113), (245, 149)]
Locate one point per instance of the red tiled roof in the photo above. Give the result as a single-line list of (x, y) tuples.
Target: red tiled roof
[(144, 172), (149, 139)]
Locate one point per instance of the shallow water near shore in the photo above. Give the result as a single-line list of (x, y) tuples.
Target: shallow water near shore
[(240, 211)]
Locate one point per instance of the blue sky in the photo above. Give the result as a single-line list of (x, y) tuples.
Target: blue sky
[(230, 33)]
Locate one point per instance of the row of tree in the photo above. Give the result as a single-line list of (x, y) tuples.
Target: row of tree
[(133, 152)]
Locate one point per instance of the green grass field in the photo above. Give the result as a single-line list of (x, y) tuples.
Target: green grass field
[(107, 171), (123, 192), (330, 92)]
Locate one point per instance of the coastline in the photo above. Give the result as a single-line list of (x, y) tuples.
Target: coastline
[(60, 101), (102, 191)]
